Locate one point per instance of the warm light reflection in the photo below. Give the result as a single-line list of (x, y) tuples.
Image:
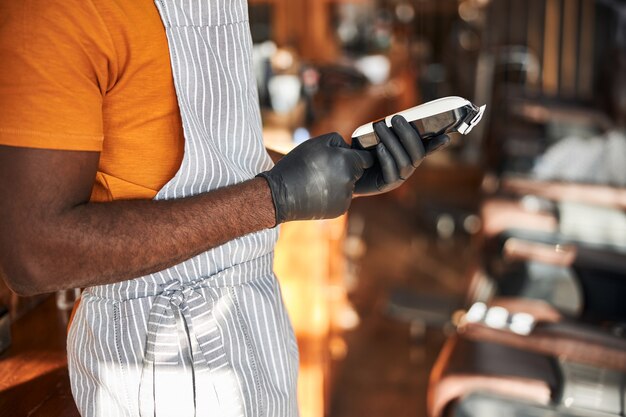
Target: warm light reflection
[(309, 265), (28, 366)]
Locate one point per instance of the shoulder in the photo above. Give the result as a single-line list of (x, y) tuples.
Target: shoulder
[(44, 34), (34, 13), (50, 21)]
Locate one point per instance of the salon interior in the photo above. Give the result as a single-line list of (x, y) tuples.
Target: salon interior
[(493, 282)]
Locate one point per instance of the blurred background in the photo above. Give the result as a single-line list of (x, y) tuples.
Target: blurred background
[(493, 282)]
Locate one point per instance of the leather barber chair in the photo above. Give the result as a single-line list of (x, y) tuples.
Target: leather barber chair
[(553, 279), (546, 336), (569, 253), (549, 365), (580, 280)]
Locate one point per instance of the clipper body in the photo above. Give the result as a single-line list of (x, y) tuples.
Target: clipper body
[(445, 115)]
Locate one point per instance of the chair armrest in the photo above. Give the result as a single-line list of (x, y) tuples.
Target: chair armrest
[(591, 349), (560, 191)]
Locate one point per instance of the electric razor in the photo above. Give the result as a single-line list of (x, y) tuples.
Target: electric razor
[(442, 116)]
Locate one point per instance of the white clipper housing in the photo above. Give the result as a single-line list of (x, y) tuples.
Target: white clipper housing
[(445, 115)]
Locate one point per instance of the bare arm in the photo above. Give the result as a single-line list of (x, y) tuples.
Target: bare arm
[(52, 237)]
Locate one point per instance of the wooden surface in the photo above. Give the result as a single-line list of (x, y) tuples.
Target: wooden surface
[(386, 367), (33, 372), (308, 264)]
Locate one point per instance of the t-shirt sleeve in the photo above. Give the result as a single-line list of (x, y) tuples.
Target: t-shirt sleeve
[(56, 65)]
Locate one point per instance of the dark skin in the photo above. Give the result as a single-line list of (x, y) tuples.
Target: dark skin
[(52, 237)]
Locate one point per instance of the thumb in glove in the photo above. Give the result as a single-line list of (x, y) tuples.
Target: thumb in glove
[(316, 179)]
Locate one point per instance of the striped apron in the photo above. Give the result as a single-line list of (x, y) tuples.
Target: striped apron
[(210, 336)]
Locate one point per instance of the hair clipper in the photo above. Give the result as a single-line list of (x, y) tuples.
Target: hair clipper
[(442, 116)]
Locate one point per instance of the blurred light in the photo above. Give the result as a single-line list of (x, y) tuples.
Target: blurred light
[(267, 49), (490, 184), (457, 317), (445, 226), (468, 12), (338, 348), (482, 3), (417, 329), (469, 40), (347, 319), (347, 32), (522, 323), (472, 224), (476, 313), (405, 13), (531, 203), (284, 92), (282, 60), (497, 317), (354, 247), (310, 78), (376, 68), (300, 135)]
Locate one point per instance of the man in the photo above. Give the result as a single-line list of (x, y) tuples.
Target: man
[(132, 164)]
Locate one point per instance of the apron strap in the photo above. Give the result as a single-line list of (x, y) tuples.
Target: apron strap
[(184, 345)]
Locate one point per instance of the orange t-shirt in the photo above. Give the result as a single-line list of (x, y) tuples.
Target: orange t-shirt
[(92, 75)]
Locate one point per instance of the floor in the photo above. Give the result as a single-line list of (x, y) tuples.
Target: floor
[(33, 373), (385, 371)]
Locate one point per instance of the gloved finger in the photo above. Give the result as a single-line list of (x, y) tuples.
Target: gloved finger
[(388, 167), (410, 139), (365, 158), (335, 139), (437, 143), (395, 149)]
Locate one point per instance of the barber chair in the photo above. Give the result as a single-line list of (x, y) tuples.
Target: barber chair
[(549, 365), (551, 277), (550, 331), (561, 243), (580, 279), (543, 334), (546, 327)]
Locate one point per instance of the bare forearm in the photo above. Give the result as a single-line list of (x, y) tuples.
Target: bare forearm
[(101, 243)]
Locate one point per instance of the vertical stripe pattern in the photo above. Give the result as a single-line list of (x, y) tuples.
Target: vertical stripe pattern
[(209, 336)]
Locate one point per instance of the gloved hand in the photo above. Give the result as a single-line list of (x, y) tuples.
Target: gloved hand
[(316, 179), (399, 152)]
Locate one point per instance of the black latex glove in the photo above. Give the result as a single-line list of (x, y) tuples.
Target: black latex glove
[(399, 152), (316, 179)]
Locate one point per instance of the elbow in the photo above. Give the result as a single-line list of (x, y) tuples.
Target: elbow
[(21, 288), (24, 285), (24, 274)]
